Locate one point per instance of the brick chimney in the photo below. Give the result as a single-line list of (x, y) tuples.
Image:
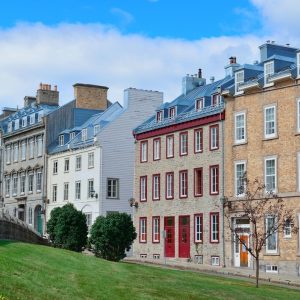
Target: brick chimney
[(28, 100), (90, 96), (45, 95)]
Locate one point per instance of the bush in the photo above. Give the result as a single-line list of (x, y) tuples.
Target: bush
[(112, 235), (67, 228)]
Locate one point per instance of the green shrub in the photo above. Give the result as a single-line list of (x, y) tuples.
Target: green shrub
[(67, 228), (112, 235)]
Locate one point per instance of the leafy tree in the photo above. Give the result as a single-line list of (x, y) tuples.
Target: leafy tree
[(112, 235), (256, 204), (67, 228)]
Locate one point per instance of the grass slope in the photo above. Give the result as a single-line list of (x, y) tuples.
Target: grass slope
[(39, 272)]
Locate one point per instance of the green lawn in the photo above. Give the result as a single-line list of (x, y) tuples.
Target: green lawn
[(38, 272)]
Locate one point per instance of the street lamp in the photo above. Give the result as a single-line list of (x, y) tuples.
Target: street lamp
[(93, 194)]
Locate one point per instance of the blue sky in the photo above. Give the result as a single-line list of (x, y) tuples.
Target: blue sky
[(146, 44)]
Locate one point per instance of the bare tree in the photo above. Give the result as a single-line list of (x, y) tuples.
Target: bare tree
[(267, 217)]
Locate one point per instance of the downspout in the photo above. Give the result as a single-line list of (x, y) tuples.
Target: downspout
[(223, 188), (101, 199)]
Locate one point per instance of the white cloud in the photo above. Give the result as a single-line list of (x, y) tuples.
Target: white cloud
[(126, 17), (66, 54)]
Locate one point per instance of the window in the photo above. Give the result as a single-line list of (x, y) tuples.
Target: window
[(268, 71), (156, 149), (72, 135), (172, 112), (30, 182), (198, 182), (183, 184), (32, 119), (96, 129), (159, 116), (61, 140), (54, 193), (66, 191), (156, 187), (198, 140), (31, 148), (113, 188), (40, 115), (40, 146), (91, 160), (298, 63), (170, 185), (67, 165), (24, 122), (30, 216), (23, 150), (155, 229), (84, 134), (91, 190), (240, 128), (214, 137), (216, 99), (8, 155), (183, 143), (78, 190), (143, 230), (39, 181), (287, 230), (214, 180), (215, 260), (239, 79), (271, 269), (198, 228), (199, 104), (270, 121), (214, 227), (15, 185), (78, 163), (9, 127), (270, 174), (17, 124), (240, 180), (22, 184), (16, 152), (144, 151), (7, 186), (88, 217), (271, 242), (170, 146), (143, 188), (55, 167)]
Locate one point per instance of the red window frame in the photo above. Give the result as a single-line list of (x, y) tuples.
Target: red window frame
[(201, 224), (172, 110), (210, 227), (156, 241), (156, 199), (143, 200), (201, 140), (217, 182), (159, 116), (214, 99), (166, 186), (169, 136), (196, 194), (187, 143), (159, 151), (141, 153), (187, 184), (140, 230), (210, 137), (198, 101)]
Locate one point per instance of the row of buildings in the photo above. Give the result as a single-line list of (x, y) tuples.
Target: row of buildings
[(170, 164)]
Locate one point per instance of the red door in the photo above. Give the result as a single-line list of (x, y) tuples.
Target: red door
[(184, 236), (243, 251), (170, 236)]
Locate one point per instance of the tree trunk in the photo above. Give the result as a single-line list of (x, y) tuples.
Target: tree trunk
[(257, 271)]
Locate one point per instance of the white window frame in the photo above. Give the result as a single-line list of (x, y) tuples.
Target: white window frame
[(96, 129), (91, 187), (114, 183), (23, 150), (239, 78), (31, 148), (22, 183), (143, 188), (66, 165), (78, 190), (272, 269), (156, 149), (268, 71), (32, 119), (214, 179), (170, 186), (84, 135), (7, 186), (143, 230), (271, 251), (269, 158), (61, 140), (39, 181), (287, 230), (198, 228), (236, 179), (66, 191), (30, 183), (214, 227), (214, 137), (198, 140), (155, 229), (8, 155), (24, 121), (274, 134), (144, 151), (16, 152), (91, 158), (78, 163), (184, 139), (54, 192), (30, 214), (238, 140), (55, 167), (40, 146), (170, 146), (15, 185), (172, 112), (159, 116), (72, 135), (40, 115), (199, 104), (156, 187), (9, 127), (183, 183), (215, 260), (17, 124)]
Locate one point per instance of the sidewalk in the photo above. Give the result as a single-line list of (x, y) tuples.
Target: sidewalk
[(227, 271)]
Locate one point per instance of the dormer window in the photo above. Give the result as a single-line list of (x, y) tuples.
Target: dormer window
[(298, 64), (268, 71), (9, 127), (40, 115), (216, 99), (72, 135), (17, 123), (84, 134), (159, 116), (24, 122), (96, 129), (31, 119), (172, 112), (61, 140), (199, 104), (239, 79)]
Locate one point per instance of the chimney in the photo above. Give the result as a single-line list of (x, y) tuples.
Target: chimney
[(7, 111), (199, 73), (231, 67), (45, 95), (232, 60), (190, 82), (90, 96), (212, 79), (28, 100)]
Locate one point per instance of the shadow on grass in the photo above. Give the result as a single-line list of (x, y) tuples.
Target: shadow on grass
[(7, 242)]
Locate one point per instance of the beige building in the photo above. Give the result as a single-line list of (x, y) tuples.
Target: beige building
[(262, 138)]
